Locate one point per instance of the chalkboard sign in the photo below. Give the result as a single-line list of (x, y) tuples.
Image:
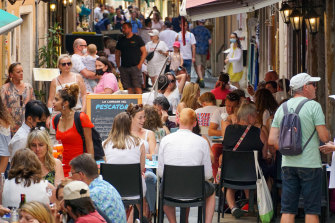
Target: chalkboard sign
[(102, 108)]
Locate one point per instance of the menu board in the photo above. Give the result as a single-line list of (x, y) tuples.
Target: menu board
[(102, 108)]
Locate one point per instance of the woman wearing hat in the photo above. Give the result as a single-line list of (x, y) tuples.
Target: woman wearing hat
[(160, 49)]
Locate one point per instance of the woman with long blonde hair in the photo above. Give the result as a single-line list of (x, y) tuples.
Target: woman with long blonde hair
[(122, 147), (39, 142), (189, 98), (36, 212)]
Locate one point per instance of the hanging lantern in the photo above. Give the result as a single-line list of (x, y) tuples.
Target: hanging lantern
[(296, 20), (64, 3), (53, 6), (285, 12), (312, 20), (70, 2)]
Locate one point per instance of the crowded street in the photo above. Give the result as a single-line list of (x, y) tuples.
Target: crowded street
[(145, 111)]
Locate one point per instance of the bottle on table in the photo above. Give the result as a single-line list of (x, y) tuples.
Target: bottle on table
[(23, 200)]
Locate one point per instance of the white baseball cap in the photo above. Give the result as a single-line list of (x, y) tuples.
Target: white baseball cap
[(154, 32), (75, 190), (302, 79)]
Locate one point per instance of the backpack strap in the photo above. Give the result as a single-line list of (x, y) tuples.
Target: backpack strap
[(297, 110), (285, 108), (56, 120), (309, 139), (79, 128)]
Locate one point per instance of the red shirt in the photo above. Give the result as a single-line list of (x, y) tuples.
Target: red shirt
[(72, 141), (93, 217), (219, 93)]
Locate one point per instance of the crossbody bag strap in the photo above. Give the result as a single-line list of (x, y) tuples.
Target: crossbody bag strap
[(242, 137), (156, 45)]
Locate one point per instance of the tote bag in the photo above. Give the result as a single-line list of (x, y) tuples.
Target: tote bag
[(264, 201)]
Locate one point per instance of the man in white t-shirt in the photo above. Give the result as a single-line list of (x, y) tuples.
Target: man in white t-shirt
[(98, 11), (184, 148), (80, 49), (168, 35), (187, 50)]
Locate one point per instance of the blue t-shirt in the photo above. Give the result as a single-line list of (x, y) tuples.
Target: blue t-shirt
[(136, 25), (102, 25), (202, 35), (108, 200)]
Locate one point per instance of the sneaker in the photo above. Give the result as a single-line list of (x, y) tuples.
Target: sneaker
[(237, 213), (245, 207), (202, 83)]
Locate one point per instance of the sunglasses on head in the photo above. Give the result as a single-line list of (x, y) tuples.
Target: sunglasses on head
[(64, 64), (21, 100)]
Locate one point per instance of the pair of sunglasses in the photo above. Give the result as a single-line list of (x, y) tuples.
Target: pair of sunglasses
[(64, 64)]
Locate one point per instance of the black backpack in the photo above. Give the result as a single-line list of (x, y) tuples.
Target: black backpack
[(97, 141)]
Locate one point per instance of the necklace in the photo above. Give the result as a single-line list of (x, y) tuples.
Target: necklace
[(67, 116)]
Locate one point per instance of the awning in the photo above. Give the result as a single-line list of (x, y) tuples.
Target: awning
[(205, 9), (8, 21)]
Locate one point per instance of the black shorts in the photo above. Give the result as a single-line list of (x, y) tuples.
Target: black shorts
[(131, 77)]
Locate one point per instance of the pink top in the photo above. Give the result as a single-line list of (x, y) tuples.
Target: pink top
[(108, 80)]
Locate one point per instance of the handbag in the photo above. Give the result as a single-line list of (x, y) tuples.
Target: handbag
[(264, 200), (241, 138), (151, 54)]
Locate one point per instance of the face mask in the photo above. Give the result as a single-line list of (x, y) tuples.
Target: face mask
[(41, 124), (232, 40), (84, 51), (99, 72)]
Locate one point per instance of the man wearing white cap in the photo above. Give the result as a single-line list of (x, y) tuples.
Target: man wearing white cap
[(78, 203), (159, 49), (301, 174)]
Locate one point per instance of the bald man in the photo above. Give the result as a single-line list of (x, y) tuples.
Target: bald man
[(80, 49), (184, 148)]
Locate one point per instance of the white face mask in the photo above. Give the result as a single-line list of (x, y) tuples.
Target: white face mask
[(84, 51)]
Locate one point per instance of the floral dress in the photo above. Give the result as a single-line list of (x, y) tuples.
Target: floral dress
[(16, 102)]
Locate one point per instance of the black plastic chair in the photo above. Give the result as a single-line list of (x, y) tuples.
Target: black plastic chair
[(183, 186), (127, 180), (237, 168)]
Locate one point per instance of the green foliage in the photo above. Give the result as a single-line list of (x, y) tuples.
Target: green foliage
[(40, 95), (48, 54)]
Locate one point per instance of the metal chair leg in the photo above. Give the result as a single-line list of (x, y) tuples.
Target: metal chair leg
[(224, 201), (220, 202), (182, 215)]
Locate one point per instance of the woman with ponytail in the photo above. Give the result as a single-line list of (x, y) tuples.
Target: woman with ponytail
[(15, 94), (66, 131)]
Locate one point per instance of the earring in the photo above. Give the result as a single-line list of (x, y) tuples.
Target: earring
[(63, 107)]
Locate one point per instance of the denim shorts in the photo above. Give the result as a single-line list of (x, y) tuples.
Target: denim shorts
[(188, 65), (304, 181)]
